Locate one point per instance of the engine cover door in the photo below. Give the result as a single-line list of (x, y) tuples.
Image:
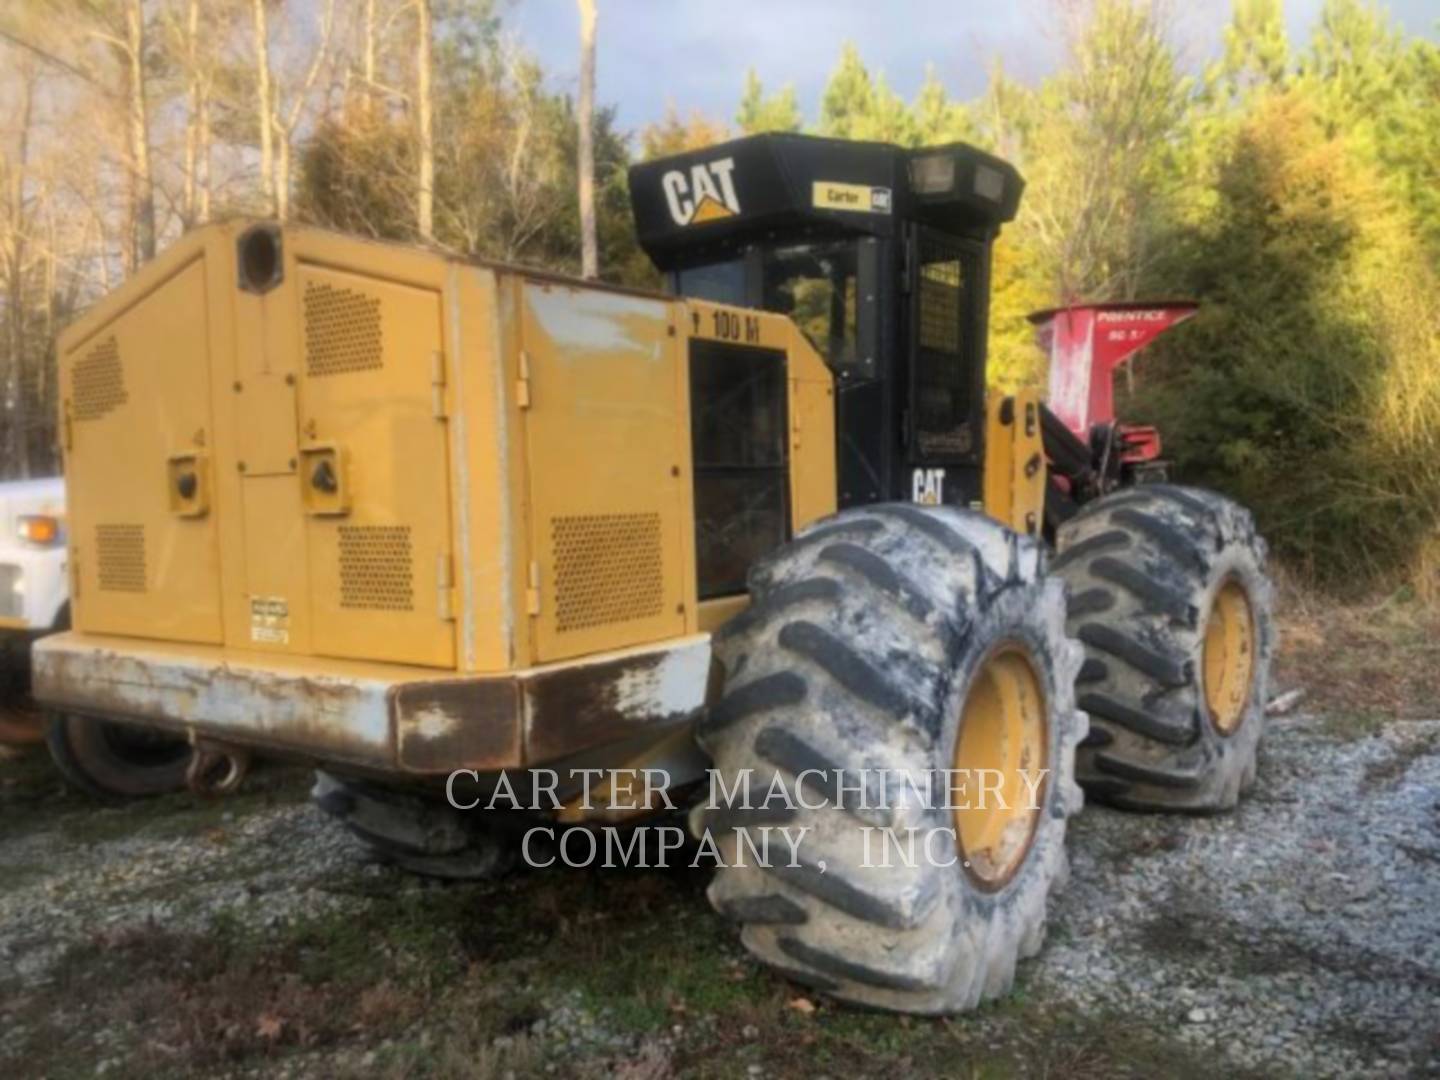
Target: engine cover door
[(373, 469), (606, 442), (138, 471)]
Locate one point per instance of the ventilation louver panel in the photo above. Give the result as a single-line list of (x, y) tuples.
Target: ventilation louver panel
[(376, 568), (607, 569), (342, 330), (98, 382), (120, 555)]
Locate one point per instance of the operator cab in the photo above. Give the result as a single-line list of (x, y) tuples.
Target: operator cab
[(881, 255)]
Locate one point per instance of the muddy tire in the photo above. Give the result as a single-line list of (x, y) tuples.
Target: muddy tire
[(106, 760), (1170, 597), (867, 639), (421, 835)]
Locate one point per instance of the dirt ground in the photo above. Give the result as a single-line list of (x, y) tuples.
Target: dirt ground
[(1299, 936)]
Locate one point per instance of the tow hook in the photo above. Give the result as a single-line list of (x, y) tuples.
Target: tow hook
[(216, 768)]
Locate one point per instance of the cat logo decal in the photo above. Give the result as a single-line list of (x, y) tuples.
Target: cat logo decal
[(706, 192)]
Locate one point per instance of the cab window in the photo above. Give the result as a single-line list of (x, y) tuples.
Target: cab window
[(944, 378), (817, 286), (722, 282)]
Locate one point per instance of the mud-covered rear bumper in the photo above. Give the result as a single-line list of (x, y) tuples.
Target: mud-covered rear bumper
[(378, 716)]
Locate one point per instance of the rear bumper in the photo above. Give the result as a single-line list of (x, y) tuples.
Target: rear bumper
[(375, 716)]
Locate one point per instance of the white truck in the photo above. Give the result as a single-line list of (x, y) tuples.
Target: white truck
[(34, 590), (101, 758)]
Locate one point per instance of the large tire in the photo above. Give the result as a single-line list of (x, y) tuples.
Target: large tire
[(421, 835), (1152, 571), (862, 645), (106, 760)]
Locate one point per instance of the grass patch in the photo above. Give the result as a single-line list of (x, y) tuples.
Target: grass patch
[(1351, 726), (29, 784), (1360, 661)]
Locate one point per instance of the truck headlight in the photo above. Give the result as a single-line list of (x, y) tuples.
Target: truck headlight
[(12, 591), (39, 529)]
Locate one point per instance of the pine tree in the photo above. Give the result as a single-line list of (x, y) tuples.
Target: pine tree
[(674, 135), (889, 119), (1383, 93), (758, 113), (1257, 52), (1310, 384), (848, 103), (937, 119)]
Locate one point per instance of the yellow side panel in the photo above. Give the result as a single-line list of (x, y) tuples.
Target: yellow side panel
[(812, 451), (137, 413), (1015, 473), (373, 469), (605, 439)]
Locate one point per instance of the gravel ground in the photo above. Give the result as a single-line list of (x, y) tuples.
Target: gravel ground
[(1302, 931), (1300, 935)]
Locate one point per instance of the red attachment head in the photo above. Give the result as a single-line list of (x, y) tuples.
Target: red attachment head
[(1087, 342)]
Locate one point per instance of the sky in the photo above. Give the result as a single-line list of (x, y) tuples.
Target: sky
[(694, 53)]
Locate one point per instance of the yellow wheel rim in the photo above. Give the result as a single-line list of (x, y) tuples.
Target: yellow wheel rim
[(1229, 659), (1004, 730)]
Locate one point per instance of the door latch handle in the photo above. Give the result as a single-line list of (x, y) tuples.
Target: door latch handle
[(324, 478), (186, 477), (325, 489)]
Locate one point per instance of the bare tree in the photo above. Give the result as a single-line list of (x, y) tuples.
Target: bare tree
[(369, 49), (142, 184), (199, 88), (277, 122), (516, 168), (100, 47), (120, 25), (589, 248), (374, 26), (13, 244), (424, 105), (263, 110)]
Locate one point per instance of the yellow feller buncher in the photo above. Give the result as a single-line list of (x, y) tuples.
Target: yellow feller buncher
[(402, 514)]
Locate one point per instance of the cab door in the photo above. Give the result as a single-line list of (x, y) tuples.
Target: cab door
[(947, 350), (373, 469)]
